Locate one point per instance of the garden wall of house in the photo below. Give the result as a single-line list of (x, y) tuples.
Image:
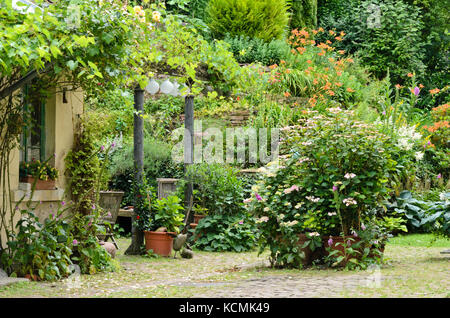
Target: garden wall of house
[(60, 122)]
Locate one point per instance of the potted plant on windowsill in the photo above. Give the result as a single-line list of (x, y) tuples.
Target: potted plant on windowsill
[(40, 174), (165, 219)]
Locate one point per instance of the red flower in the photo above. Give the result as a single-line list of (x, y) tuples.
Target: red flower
[(138, 217)]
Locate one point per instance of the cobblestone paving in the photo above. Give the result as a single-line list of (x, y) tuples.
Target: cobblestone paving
[(284, 286)]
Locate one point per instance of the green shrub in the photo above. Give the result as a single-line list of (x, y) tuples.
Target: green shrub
[(336, 172), (83, 167), (158, 163), (217, 187), (41, 250), (392, 42), (250, 50), (220, 233), (264, 19), (304, 14), (166, 213)]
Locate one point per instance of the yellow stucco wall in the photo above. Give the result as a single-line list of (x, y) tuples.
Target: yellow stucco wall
[(61, 119)]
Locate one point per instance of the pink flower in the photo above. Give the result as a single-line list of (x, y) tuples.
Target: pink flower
[(335, 188), (75, 242), (363, 227), (439, 176), (63, 203), (258, 197), (330, 241), (241, 222), (416, 91), (102, 148)]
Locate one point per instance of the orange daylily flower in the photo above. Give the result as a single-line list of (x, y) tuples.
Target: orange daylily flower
[(421, 86), (330, 92), (350, 90), (434, 91), (287, 94), (410, 74), (309, 61), (338, 84), (398, 86)]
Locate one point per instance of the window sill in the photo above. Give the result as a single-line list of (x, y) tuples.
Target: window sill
[(38, 195)]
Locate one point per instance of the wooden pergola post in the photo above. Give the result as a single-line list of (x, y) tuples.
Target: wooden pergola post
[(188, 147), (137, 236)]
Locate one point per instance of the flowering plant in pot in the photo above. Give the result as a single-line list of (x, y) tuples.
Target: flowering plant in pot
[(166, 219), (335, 170), (39, 173)]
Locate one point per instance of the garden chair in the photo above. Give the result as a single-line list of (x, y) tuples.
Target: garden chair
[(110, 202)]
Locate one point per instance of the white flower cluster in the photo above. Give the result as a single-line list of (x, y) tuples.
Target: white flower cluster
[(313, 199), (349, 201), (407, 136)]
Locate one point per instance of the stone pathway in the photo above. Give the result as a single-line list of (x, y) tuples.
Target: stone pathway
[(282, 286), (5, 280)]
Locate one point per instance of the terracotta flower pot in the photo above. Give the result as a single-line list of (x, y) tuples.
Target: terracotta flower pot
[(198, 217), (40, 184), (193, 225), (160, 242)]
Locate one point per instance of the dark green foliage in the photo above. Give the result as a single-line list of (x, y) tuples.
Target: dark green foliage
[(87, 253), (423, 216), (265, 19), (219, 233), (158, 163), (248, 50), (386, 34), (304, 14), (217, 187), (40, 250)]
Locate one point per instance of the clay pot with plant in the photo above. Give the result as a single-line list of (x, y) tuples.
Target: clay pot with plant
[(166, 219)]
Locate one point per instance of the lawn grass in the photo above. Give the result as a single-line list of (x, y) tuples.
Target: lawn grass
[(414, 267), (419, 240)]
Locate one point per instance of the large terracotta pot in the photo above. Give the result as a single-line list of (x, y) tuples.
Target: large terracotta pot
[(160, 242), (40, 184)]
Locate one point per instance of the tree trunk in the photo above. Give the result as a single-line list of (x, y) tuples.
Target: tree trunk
[(137, 236)]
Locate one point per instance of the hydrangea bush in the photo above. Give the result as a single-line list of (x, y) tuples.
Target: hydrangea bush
[(336, 172)]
